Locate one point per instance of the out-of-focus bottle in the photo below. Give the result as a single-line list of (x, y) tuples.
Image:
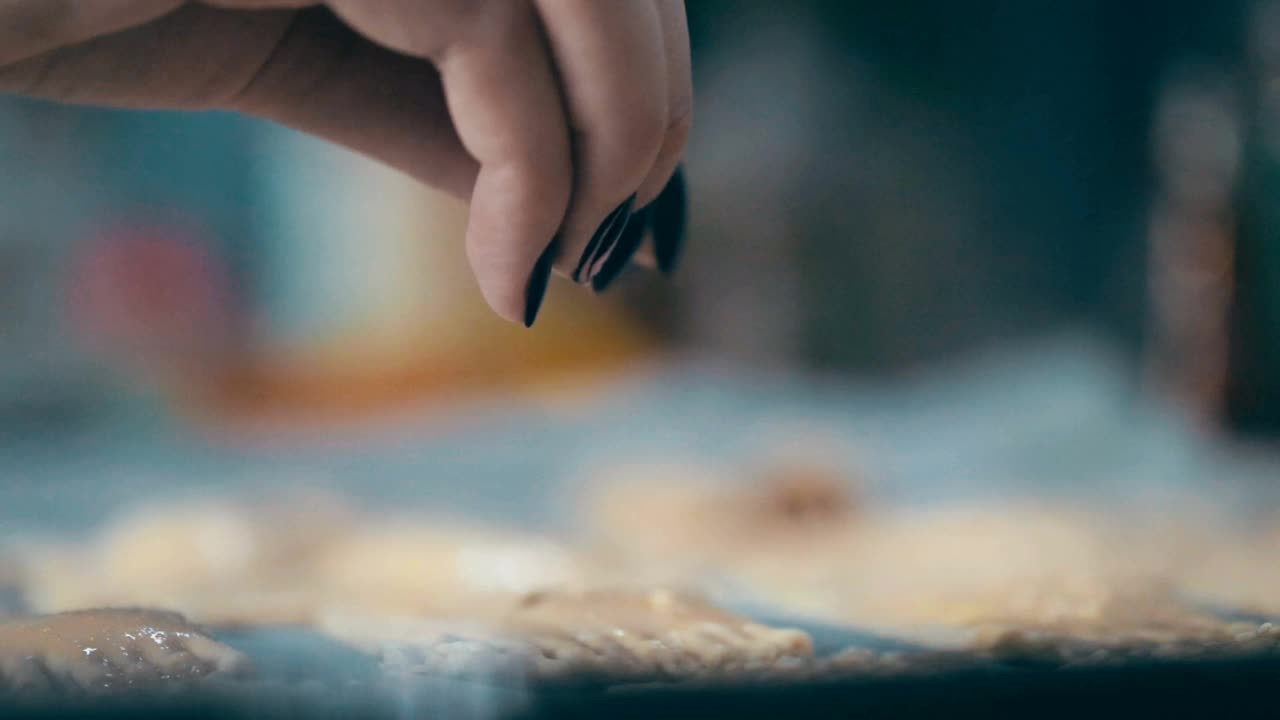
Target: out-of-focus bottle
[(1215, 237), (1192, 239), (1253, 398)]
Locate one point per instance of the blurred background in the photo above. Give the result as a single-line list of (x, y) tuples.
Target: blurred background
[(878, 190)]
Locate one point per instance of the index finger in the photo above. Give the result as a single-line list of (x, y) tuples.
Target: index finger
[(502, 94)]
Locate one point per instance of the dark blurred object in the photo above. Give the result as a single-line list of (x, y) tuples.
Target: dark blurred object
[(1214, 266), (876, 186), (1214, 263), (1253, 397), (1233, 688)]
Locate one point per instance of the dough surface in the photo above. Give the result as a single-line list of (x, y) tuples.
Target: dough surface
[(803, 541), (221, 563), (106, 651), (595, 636), (236, 564)]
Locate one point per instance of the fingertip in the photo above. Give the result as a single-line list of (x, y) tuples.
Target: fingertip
[(511, 242), (506, 288), (502, 275), (538, 281)]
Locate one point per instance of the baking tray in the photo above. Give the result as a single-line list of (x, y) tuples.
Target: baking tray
[(303, 674), (1238, 688)]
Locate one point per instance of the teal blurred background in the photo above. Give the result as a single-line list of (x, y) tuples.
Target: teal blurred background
[(877, 189)]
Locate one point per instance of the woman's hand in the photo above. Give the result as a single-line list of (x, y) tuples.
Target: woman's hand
[(547, 115)]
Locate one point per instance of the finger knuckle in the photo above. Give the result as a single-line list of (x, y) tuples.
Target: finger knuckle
[(405, 26), (630, 150), (678, 133), (490, 21), (681, 117), (645, 132), (544, 182)]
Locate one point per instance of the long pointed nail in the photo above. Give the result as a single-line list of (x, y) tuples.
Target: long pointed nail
[(630, 241), (603, 241), (668, 220), (538, 281)]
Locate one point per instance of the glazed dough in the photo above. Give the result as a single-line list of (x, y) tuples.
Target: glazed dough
[(220, 563), (657, 633), (678, 523), (103, 651), (407, 568), (798, 538), (1236, 570), (1015, 565), (593, 636), (801, 541), (1008, 584), (1070, 647), (233, 564)]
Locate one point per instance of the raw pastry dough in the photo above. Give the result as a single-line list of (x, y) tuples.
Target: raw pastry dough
[(220, 563), (678, 523), (414, 569), (1236, 570), (800, 542), (234, 564), (101, 651), (593, 637)]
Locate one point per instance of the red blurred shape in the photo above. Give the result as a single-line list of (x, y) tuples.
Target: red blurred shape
[(150, 293)]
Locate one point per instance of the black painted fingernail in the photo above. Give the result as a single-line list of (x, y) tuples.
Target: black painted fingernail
[(668, 220), (603, 241), (538, 281), (630, 241)]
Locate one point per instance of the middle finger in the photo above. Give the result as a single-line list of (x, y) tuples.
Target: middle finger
[(611, 61)]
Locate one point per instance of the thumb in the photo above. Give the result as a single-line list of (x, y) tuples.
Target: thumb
[(303, 69), (328, 81)]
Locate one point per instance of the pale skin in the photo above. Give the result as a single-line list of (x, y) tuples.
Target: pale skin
[(544, 114)]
